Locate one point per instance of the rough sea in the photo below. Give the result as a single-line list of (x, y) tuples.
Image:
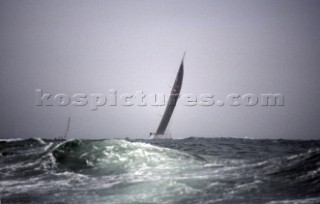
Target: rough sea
[(186, 171)]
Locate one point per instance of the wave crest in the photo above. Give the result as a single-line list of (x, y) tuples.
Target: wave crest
[(118, 157)]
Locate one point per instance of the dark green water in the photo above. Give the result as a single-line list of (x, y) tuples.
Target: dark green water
[(192, 170)]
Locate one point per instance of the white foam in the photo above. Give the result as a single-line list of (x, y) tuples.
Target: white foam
[(12, 140)]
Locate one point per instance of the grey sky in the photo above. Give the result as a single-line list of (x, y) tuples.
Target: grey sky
[(93, 46)]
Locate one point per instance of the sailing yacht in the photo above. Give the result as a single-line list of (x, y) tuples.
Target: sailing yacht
[(174, 96), (64, 137), (67, 129)]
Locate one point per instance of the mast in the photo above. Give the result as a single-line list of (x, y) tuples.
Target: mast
[(67, 129), (174, 95)]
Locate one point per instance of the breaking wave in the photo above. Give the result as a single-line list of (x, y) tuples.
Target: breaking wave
[(193, 170)]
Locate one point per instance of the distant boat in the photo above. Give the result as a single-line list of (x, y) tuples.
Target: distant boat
[(174, 96), (64, 137), (67, 129)]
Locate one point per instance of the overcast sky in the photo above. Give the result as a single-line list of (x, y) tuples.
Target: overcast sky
[(93, 46)]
